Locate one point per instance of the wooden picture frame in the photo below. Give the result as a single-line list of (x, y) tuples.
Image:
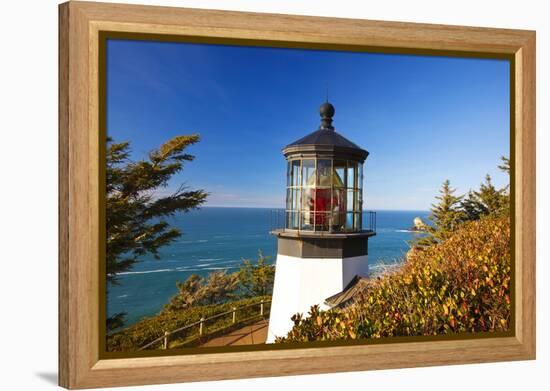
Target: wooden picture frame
[(81, 364)]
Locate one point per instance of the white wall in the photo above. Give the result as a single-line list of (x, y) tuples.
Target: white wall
[(303, 282), (28, 200)]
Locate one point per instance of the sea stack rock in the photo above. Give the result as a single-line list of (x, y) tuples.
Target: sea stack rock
[(418, 224)]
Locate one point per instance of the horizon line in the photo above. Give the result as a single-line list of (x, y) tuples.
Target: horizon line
[(281, 208)]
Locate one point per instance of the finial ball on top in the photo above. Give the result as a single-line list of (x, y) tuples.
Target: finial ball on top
[(326, 110)]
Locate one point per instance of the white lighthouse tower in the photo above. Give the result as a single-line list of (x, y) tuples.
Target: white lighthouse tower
[(323, 245)]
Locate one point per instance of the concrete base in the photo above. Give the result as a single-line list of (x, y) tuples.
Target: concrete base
[(303, 282)]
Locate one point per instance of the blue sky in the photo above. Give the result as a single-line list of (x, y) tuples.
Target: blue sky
[(423, 119)]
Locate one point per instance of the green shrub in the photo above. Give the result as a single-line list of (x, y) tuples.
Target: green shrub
[(459, 285)]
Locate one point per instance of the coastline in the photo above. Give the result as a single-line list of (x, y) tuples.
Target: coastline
[(216, 238)]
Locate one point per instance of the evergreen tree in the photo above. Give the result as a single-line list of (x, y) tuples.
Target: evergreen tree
[(134, 210), (505, 166), (494, 200), (487, 201), (446, 216), (453, 210), (472, 206)]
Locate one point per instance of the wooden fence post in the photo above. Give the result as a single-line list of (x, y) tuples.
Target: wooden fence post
[(262, 307), (200, 327), (234, 314), (166, 335)]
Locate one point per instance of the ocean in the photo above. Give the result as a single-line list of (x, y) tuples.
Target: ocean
[(219, 239)]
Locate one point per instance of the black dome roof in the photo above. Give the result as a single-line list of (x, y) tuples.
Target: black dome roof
[(326, 140), (325, 137)]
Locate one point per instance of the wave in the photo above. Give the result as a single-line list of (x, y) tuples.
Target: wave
[(205, 268), (193, 241), (377, 266), (382, 268), (184, 268), (230, 261), (189, 268), (147, 271), (220, 268), (404, 230)]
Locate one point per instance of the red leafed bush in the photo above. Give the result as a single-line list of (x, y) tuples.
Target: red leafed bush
[(460, 285)]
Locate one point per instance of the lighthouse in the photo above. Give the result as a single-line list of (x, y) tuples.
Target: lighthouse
[(322, 248)]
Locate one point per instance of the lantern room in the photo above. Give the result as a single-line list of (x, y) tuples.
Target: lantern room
[(323, 245), (324, 180)]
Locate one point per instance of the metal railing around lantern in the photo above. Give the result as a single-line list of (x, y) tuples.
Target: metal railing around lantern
[(371, 217), (277, 219)]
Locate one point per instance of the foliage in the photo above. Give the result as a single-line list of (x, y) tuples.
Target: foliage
[(134, 213), (196, 290), (149, 329), (202, 297), (451, 211), (256, 279), (459, 285), (488, 201), (505, 165), (446, 216), (134, 225), (250, 281), (116, 321)]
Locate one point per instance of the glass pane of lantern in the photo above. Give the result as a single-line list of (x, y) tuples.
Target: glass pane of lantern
[(295, 174), (288, 174), (358, 201), (308, 200), (338, 209), (288, 199), (295, 199), (324, 171), (352, 174), (308, 172), (350, 201), (293, 220), (296, 220), (322, 221), (338, 221), (339, 173), (307, 221), (349, 221), (360, 175)]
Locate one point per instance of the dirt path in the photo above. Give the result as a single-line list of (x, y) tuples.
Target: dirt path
[(255, 333)]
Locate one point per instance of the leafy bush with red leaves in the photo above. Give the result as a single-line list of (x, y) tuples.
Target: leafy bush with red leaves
[(460, 285)]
